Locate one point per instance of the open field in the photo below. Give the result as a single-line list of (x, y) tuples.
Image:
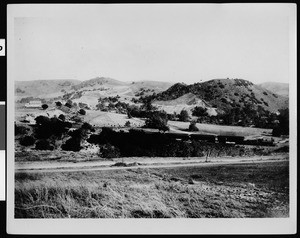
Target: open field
[(222, 130), (244, 190)]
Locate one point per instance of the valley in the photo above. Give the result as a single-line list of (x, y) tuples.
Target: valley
[(109, 149)]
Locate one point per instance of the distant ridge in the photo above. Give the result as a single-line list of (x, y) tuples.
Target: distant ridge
[(216, 94)]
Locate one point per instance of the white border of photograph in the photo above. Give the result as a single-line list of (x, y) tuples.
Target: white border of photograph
[(145, 226)]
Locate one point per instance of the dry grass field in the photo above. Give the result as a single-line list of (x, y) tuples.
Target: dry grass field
[(247, 190), (221, 129)]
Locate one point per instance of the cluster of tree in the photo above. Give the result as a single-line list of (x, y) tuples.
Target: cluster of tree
[(249, 115), (46, 127), (283, 127), (139, 143), (48, 130), (77, 137), (28, 99), (45, 133), (157, 120)]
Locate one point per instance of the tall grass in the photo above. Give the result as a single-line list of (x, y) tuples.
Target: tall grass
[(141, 193)]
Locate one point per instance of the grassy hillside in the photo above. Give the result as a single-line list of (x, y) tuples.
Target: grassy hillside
[(88, 91), (278, 88), (43, 88), (225, 94)]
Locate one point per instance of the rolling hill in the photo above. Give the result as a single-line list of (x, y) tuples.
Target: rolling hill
[(88, 91), (43, 88), (217, 95), (222, 94)]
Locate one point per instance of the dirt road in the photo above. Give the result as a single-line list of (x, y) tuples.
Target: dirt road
[(140, 162)]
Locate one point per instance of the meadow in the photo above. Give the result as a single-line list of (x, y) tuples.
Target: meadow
[(242, 190)]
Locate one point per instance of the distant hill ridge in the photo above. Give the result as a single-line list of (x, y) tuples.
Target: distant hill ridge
[(216, 93)]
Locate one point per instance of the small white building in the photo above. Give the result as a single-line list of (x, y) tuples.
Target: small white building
[(34, 104)]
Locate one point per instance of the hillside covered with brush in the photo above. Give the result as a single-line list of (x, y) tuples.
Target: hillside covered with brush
[(88, 91), (225, 94)]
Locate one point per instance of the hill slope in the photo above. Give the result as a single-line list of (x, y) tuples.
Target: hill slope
[(44, 88), (227, 93), (278, 88), (88, 91)]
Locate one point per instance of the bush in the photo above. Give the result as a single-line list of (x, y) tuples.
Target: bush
[(82, 111), (42, 120), (58, 104), (127, 124), (157, 120), (68, 105), (199, 112), (283, 127), (183, 116), (44, 106), (47, 127), (62, 117), (21, 130), (43, 145), (76, 119), (87, 126), (109, 151), (129, 115), (193, 127), (73, 144), (27, 141)]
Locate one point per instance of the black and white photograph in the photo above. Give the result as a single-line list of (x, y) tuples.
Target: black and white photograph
[(158, 117)]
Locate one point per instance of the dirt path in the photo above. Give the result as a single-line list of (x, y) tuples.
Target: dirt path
[(55, 166)]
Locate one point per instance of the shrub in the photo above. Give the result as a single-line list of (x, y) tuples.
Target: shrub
[(20, 130), (129, 115), (43, 145), (68, 105), (87, 126), (266, 103), (109, 151), (27, 141), (283, 127), (183, 116), (73, 144), (42, 120), (199, 111), (82, 111), (47, 127), (62, 117), (127, 124), (76, 119), (157, 120), (193, 127), (44, 106), (58, 104)]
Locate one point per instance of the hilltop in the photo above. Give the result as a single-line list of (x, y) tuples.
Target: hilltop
[(223, 94)]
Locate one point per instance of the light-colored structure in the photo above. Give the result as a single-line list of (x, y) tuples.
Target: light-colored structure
[(34, 104)]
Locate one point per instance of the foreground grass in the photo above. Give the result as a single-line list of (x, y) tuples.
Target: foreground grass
[(252, 190)]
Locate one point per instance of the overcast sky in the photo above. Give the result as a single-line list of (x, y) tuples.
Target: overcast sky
[(177, 43)]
